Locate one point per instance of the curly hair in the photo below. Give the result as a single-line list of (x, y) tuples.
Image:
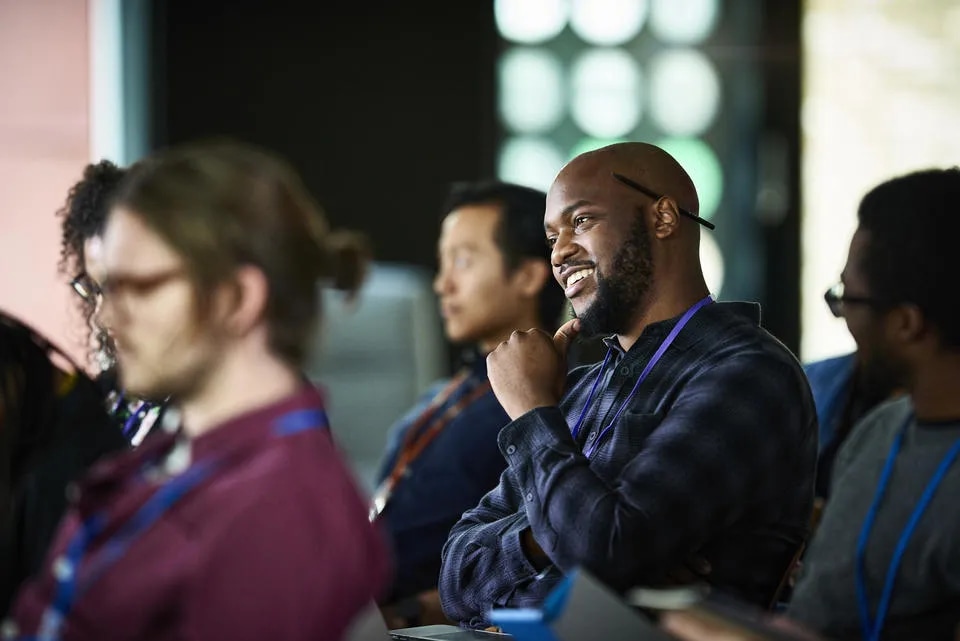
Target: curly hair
[(83, 217)]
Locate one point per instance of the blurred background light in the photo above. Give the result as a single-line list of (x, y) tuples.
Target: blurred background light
[(530, 21), (704, 168), (683, 22), (531, 90), (711, 258), (684, 90), (606, 92), (530, 161), (608, 22)]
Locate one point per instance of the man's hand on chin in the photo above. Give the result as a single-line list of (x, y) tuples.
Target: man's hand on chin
[(529, 369)]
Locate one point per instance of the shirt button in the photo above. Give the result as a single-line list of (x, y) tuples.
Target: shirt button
[(511, 449), (592, 435), (624, 371), (529, 496), (62, 568)]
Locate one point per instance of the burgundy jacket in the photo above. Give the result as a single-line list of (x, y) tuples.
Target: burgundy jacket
[(260, 533)]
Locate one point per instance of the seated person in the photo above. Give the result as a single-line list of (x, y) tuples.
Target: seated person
[(443, 457), (53, 426), (688, 454), (83, 218), (844, 391), (885, 562), (245, 523)]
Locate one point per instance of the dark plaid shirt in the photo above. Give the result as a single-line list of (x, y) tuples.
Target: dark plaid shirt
[(709, 470)]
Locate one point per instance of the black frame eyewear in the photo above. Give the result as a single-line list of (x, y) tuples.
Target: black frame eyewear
[(836, 298)]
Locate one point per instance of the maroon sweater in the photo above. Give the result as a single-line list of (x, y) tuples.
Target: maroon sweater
[(272, 542)]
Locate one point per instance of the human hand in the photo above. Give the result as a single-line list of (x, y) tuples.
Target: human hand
[(529, 369)]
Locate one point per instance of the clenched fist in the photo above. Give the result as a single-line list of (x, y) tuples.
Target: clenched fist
[(529, 369)]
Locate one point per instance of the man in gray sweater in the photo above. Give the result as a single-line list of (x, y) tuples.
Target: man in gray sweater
[(885, 562)]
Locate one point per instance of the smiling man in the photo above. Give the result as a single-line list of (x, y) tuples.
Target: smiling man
[(688, 454), (494, 278)]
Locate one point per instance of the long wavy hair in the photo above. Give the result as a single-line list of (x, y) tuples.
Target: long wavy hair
[(83, 217)]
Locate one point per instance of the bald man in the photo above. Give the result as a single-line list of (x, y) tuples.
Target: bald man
[(687, 455)]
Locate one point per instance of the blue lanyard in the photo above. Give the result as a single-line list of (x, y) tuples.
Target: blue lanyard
[(872, 627), (66, 567), (588, 452), (133, 422), (135, 417)]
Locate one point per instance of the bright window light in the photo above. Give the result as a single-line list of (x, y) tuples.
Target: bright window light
[(881, 99)]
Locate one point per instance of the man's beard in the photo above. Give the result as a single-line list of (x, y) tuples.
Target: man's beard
[(620, 295), (878, 376)]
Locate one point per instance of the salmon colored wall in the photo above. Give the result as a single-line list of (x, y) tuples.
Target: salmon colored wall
[(44, 144)]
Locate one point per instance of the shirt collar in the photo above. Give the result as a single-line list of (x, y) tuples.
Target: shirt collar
[(658, 330), (255, 426), (239, 433)]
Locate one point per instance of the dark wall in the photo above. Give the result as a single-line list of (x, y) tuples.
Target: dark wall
[(778, 206), (379, 104)]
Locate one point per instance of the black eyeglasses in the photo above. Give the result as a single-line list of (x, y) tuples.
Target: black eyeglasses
[(836, 299), (86, 288), (652, 194)]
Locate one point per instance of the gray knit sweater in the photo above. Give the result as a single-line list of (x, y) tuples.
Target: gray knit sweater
[(926, 597)]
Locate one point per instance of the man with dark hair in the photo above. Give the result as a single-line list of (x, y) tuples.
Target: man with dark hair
[(688, 454), (244, 523), (885, 562), (443, 457)]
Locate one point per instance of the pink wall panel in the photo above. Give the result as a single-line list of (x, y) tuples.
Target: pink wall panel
[(44, 143)]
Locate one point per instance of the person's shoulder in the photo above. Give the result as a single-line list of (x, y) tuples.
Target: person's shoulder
[(734, 334), (738, 325), (828, 367), (878, 426), (829, 375), (888, 415), (287, 477)]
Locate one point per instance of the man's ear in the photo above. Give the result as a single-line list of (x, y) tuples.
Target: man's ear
[(244, 310), (531, 276), (666, 218), (906, 323)]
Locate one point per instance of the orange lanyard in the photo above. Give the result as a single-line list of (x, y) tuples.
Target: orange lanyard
[(428, 426)]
